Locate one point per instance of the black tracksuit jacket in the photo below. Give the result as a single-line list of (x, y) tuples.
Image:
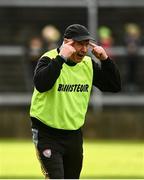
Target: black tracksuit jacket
[(105, 77)]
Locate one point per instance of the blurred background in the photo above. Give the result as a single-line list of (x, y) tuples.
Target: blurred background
[(114, 128)]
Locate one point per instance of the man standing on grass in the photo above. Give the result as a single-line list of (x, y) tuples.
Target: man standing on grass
[(63, 80)]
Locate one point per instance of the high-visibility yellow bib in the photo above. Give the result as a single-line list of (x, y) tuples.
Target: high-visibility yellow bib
[(65, 105)]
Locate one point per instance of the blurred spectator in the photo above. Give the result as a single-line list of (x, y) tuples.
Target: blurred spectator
[(105, 38), (132, 42), (38, 44), (35, 50), (51, 36)]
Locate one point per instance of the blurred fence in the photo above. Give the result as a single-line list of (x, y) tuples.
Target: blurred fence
[(108, 116)]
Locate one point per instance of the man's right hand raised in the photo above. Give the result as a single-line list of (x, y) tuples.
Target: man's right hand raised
[(67, 49)]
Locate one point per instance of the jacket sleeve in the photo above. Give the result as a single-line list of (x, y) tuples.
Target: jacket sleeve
[(106, 77), (47, 72)]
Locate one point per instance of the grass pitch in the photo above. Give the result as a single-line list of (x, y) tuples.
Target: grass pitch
[(102, 159)]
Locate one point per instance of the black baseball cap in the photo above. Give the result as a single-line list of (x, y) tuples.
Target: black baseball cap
[(77, 32)]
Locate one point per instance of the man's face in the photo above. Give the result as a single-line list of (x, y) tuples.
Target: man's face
[(81, 48)]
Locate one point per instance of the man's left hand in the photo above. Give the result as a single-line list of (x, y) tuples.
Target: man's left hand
[(98, 51)]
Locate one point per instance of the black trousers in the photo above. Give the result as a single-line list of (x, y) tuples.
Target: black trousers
[(60, 152)]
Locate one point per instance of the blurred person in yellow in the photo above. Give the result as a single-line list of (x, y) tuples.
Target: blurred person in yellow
[(132, 42), (63, 80)]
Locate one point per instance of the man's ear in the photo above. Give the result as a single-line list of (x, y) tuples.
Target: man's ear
[(65, 40)]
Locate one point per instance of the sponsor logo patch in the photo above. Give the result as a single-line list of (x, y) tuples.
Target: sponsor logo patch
[(47, 153)]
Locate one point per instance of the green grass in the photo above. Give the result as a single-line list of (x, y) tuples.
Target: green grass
[(102, 159)]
